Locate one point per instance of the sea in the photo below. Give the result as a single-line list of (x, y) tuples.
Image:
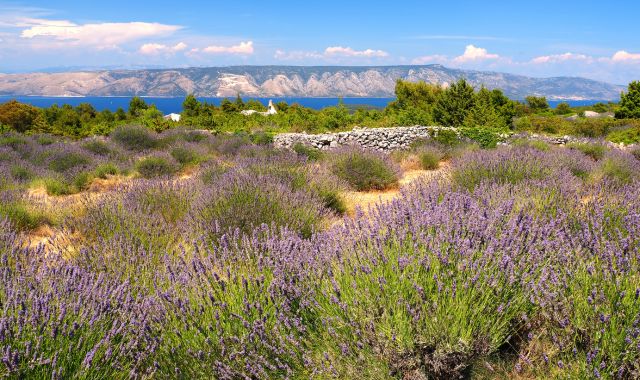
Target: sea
[(174, 104)]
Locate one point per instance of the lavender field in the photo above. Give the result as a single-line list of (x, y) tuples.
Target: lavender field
[(188, 255)]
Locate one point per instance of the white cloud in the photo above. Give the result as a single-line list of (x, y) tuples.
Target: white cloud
[(624, 56), (99, 35), (296, 55), (349, 52), (156, 49), (241, 48), (558, 58), (430, 59), (473, 54)]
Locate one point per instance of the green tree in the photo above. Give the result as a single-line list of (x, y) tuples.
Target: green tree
[(137, 106), (253, 104), (629, 102), (418, 95), (120, 115), (563, 108), (190, 106), (452, 107), (68, 122), (537, 103), (239, 103), (19, 116), (484, 114), (86, 112), (228, 106)]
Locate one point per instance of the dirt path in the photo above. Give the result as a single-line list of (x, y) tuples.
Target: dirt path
[(367, 199)]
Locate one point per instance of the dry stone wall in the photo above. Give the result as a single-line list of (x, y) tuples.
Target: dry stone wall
[(382, 139)]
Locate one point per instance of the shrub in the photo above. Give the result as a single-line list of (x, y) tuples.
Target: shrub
[(593, 150), (156, 166), (310, 153), (447, 137), (185, 156), (104, 170), (364, 170), (45, 140), (506, 166), (626, 136), (135, 138), (20, 173), (262, 138), (82, 181), (532, 143), (245, 202), (619, 168), (22, 217), (485, 137), (57, 187), (97, 146), (63, 161), (430, 157)]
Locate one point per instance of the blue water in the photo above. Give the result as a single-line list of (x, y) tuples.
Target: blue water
[(168, 105)]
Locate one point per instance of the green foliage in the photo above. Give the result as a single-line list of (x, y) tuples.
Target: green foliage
[(364, 171), (626, 136), (190, 106), (537, 103), (134, 137), (430, 157), (21, 117), (82, 181), (618, 171), (452, 107), (563, 108), (262, 138), (63, 161), (20, 173), (593, 150), (485, 137), (97, 146), (137, 106), (483, 114), (105, 170), (22, 217), (55, 186), (312, 154), (629, 102), (446, 137), (185, 156), (156, 166)]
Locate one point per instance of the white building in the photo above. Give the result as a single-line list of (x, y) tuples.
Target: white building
[(271, 110), (173, 117)]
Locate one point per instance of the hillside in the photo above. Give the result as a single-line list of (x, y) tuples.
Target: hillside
[(294, 81)]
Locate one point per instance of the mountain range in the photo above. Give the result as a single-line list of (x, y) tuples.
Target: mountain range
[(291, 81)]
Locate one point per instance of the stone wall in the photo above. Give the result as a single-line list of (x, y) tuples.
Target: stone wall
[(382, 139)]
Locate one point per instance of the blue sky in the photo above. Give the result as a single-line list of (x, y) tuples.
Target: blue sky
[(597, 40)]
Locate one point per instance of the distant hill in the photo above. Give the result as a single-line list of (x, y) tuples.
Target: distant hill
[(294, 81)]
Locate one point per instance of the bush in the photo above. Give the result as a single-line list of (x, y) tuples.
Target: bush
[(593, 150), (135, 138), (21, 217), (104, 170), (312, 154), (245, 202), (485, 137), (626, 136), (262, 138), (82, 181), (446, 137), (57, 187), (20, 173), (98, 147), (365, 171), (156, 166), (63, 161), (185, 156), (430, 158)]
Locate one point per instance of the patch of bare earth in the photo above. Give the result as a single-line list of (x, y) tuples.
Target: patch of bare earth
[(368, 199)]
